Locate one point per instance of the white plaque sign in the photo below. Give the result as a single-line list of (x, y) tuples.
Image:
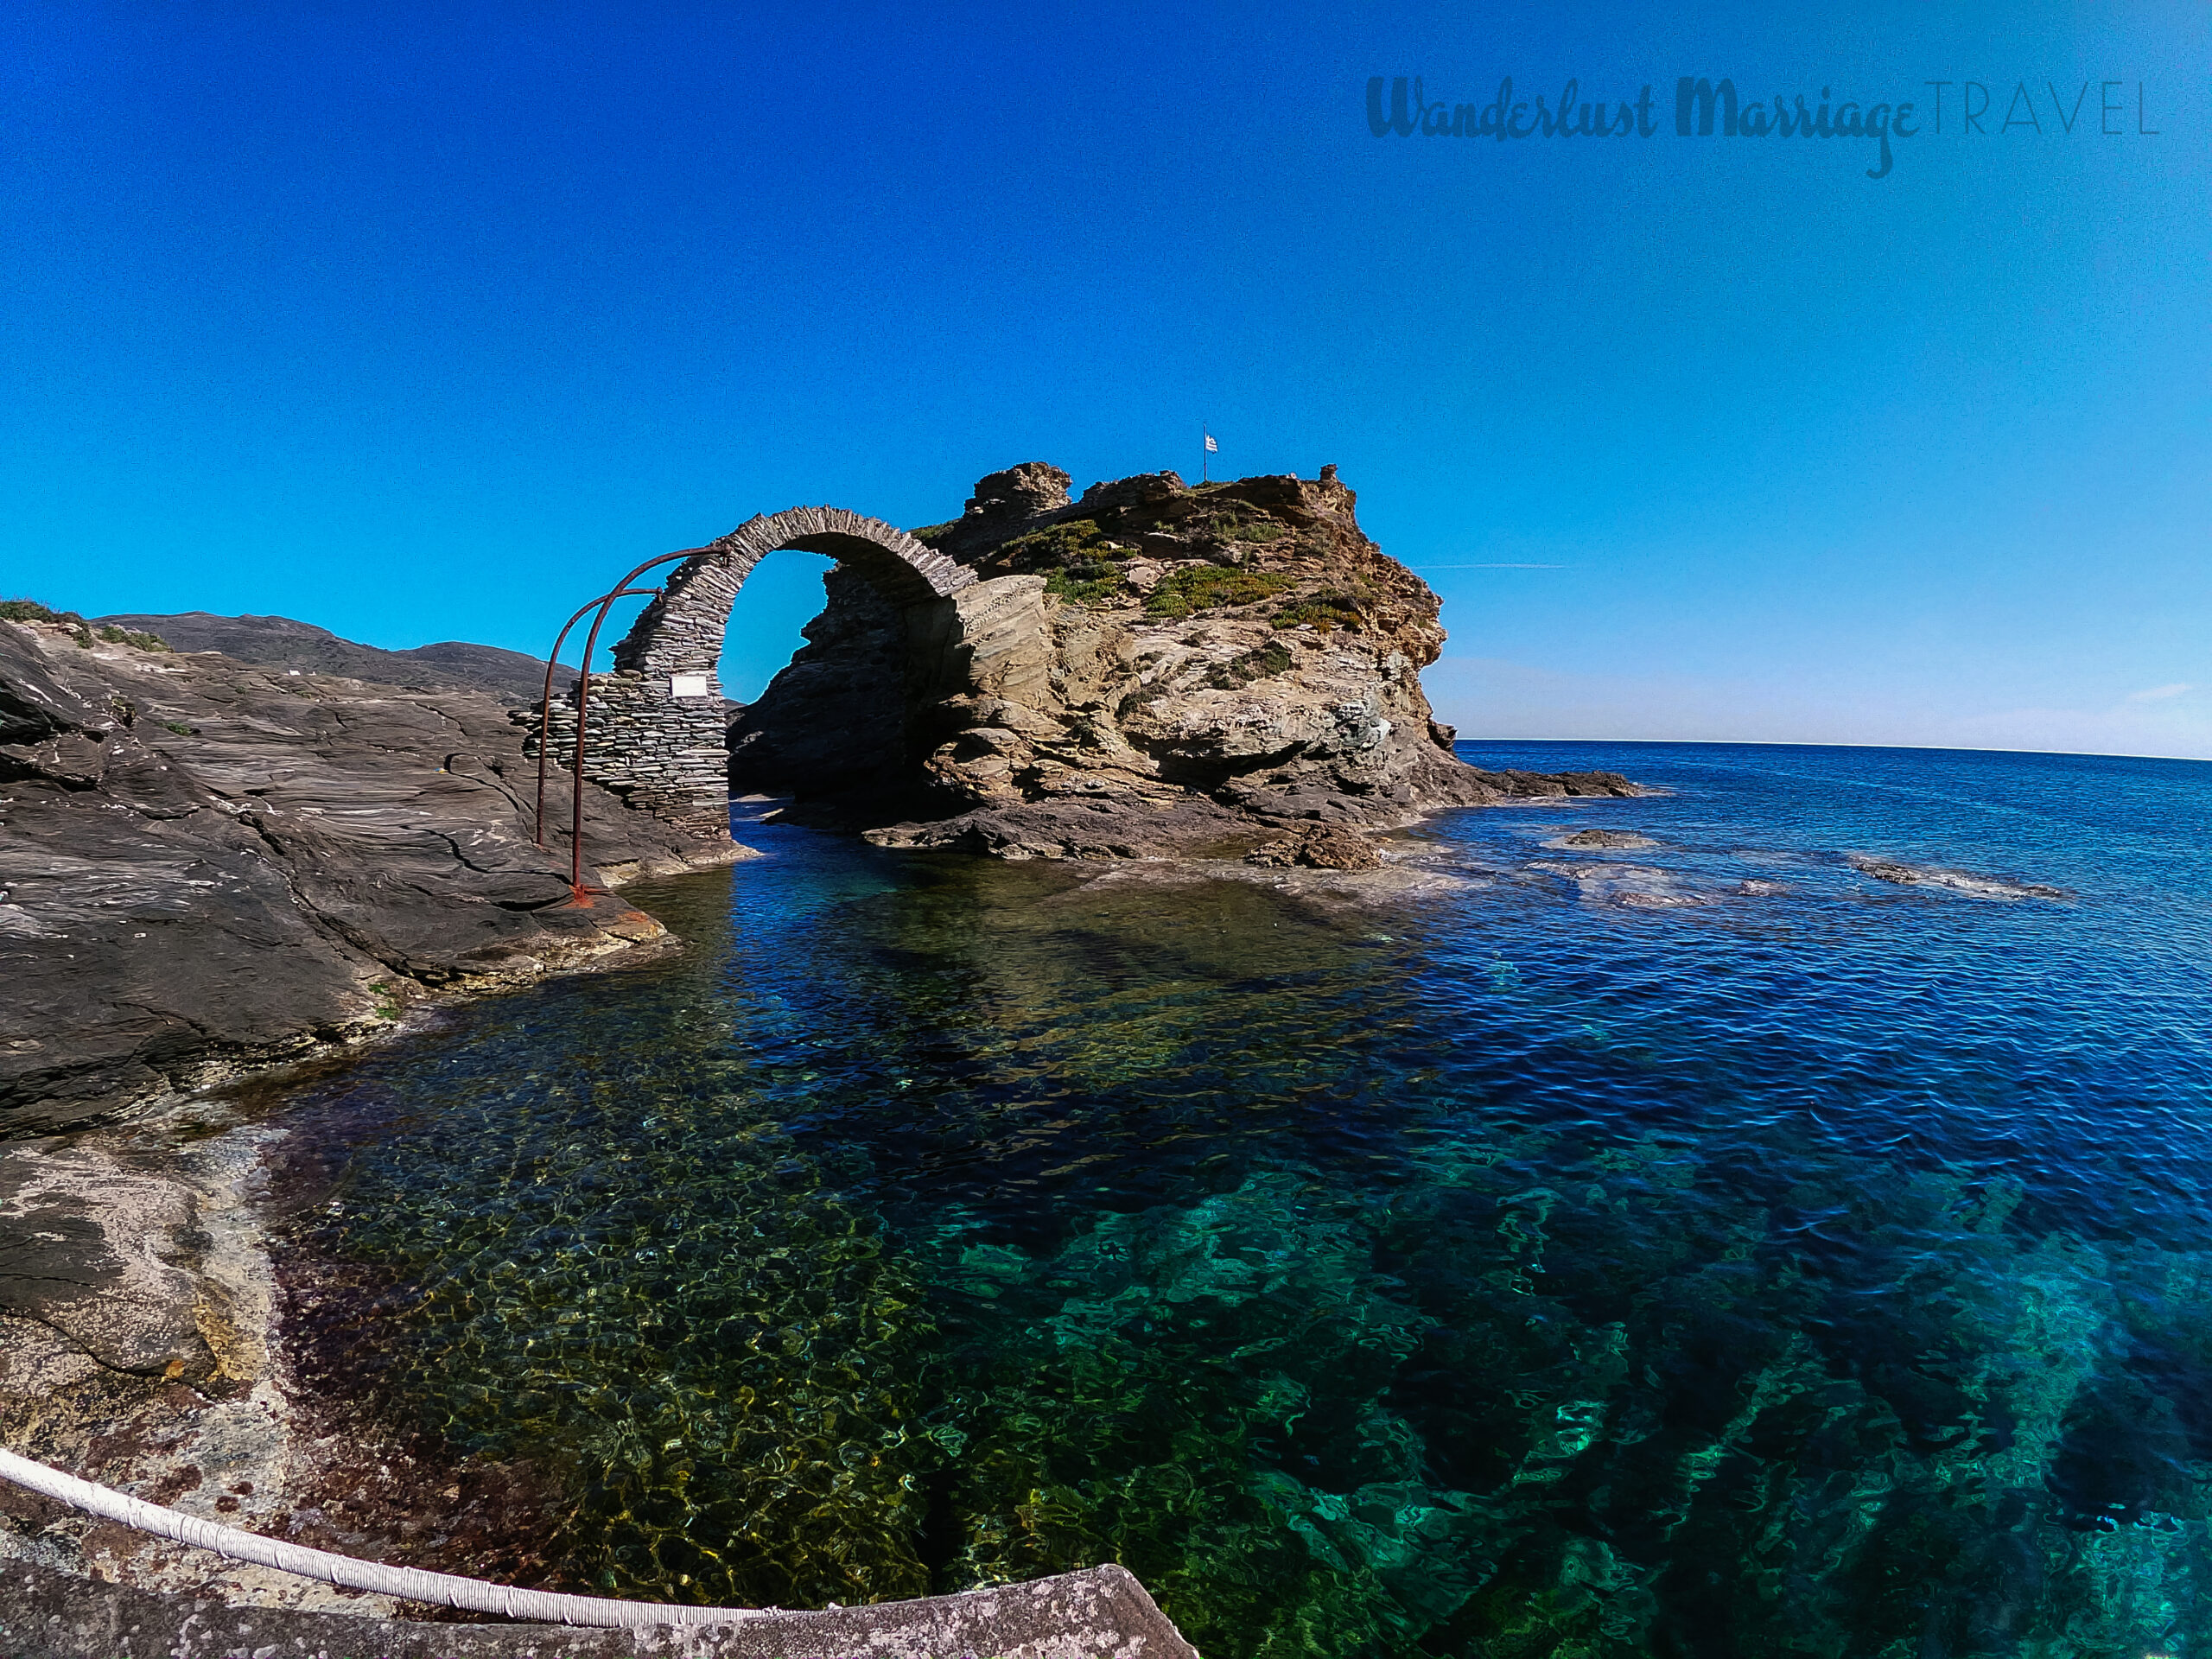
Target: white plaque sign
[(687, 685)]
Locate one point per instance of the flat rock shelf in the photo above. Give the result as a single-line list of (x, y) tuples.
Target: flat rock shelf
[(1101, 1614)]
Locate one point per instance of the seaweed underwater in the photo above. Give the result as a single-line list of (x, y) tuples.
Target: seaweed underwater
[(1369, 1282)]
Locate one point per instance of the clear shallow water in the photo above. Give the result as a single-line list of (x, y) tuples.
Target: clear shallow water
[(1816, 1271)]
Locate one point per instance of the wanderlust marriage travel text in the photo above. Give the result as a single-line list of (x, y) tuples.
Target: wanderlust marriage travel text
[(1705, 109)]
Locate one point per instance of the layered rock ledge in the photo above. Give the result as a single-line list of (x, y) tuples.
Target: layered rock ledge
[(206, 865), (1154, 668)]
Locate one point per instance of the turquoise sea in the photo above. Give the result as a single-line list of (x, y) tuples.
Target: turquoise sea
[(1708, 1248)]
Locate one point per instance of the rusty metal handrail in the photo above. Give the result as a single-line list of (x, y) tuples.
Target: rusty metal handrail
[(545, 704), (582, 895)]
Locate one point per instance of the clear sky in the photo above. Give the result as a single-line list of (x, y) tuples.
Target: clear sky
[(418, 321)]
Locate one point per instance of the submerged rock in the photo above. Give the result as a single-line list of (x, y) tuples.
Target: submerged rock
[(1979, 886), (1629, 886), (1618, 840), (1143, 670)]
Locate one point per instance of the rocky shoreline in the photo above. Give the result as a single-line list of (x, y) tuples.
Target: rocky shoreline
[(214, 870), (153, 1340), (208, 869), (207, 866), (156, 1338)]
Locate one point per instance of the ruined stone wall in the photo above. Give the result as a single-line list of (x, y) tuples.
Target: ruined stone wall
[(663, 753)]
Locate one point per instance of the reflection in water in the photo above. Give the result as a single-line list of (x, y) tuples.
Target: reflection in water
[(1821, 1271)]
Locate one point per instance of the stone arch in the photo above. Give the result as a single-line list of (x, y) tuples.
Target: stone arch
[(657, 731), (681, 633)]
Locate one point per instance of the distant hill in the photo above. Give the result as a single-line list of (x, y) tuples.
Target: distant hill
[(279, 642)]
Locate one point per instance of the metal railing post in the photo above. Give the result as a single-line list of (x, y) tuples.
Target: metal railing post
[(545, 704), (603, 604)]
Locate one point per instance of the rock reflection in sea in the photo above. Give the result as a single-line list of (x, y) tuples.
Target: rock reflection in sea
[(1492, 1276)]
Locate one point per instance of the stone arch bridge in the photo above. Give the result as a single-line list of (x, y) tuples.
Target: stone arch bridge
[(657, 734)]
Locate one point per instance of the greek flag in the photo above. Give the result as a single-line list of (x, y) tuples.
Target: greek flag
[(1212, 448)]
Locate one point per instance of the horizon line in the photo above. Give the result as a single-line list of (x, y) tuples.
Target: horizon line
[(1789, 743)]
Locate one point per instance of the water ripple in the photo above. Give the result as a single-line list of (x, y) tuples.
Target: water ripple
[(1701, 1247)]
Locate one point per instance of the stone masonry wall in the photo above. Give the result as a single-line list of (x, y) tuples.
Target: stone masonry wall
[(664, 754)]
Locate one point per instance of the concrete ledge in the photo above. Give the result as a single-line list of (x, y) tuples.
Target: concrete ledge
[(1102, 1613)]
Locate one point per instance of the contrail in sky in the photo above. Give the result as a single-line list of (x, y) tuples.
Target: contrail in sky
[(1492, 567)]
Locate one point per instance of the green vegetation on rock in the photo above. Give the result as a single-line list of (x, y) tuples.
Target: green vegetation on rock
[(1330, 608), (1076, 560), (29, 610), (116, 636), (1209, 587), (1233, 528), (1093, 582), (1077, 541)]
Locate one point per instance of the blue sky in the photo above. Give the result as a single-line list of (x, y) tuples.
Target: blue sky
[(418, 322)]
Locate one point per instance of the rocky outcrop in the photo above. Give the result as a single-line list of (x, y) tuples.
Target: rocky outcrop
[(1322, 847), (280, 642), (204, 864), (1153, 668)]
